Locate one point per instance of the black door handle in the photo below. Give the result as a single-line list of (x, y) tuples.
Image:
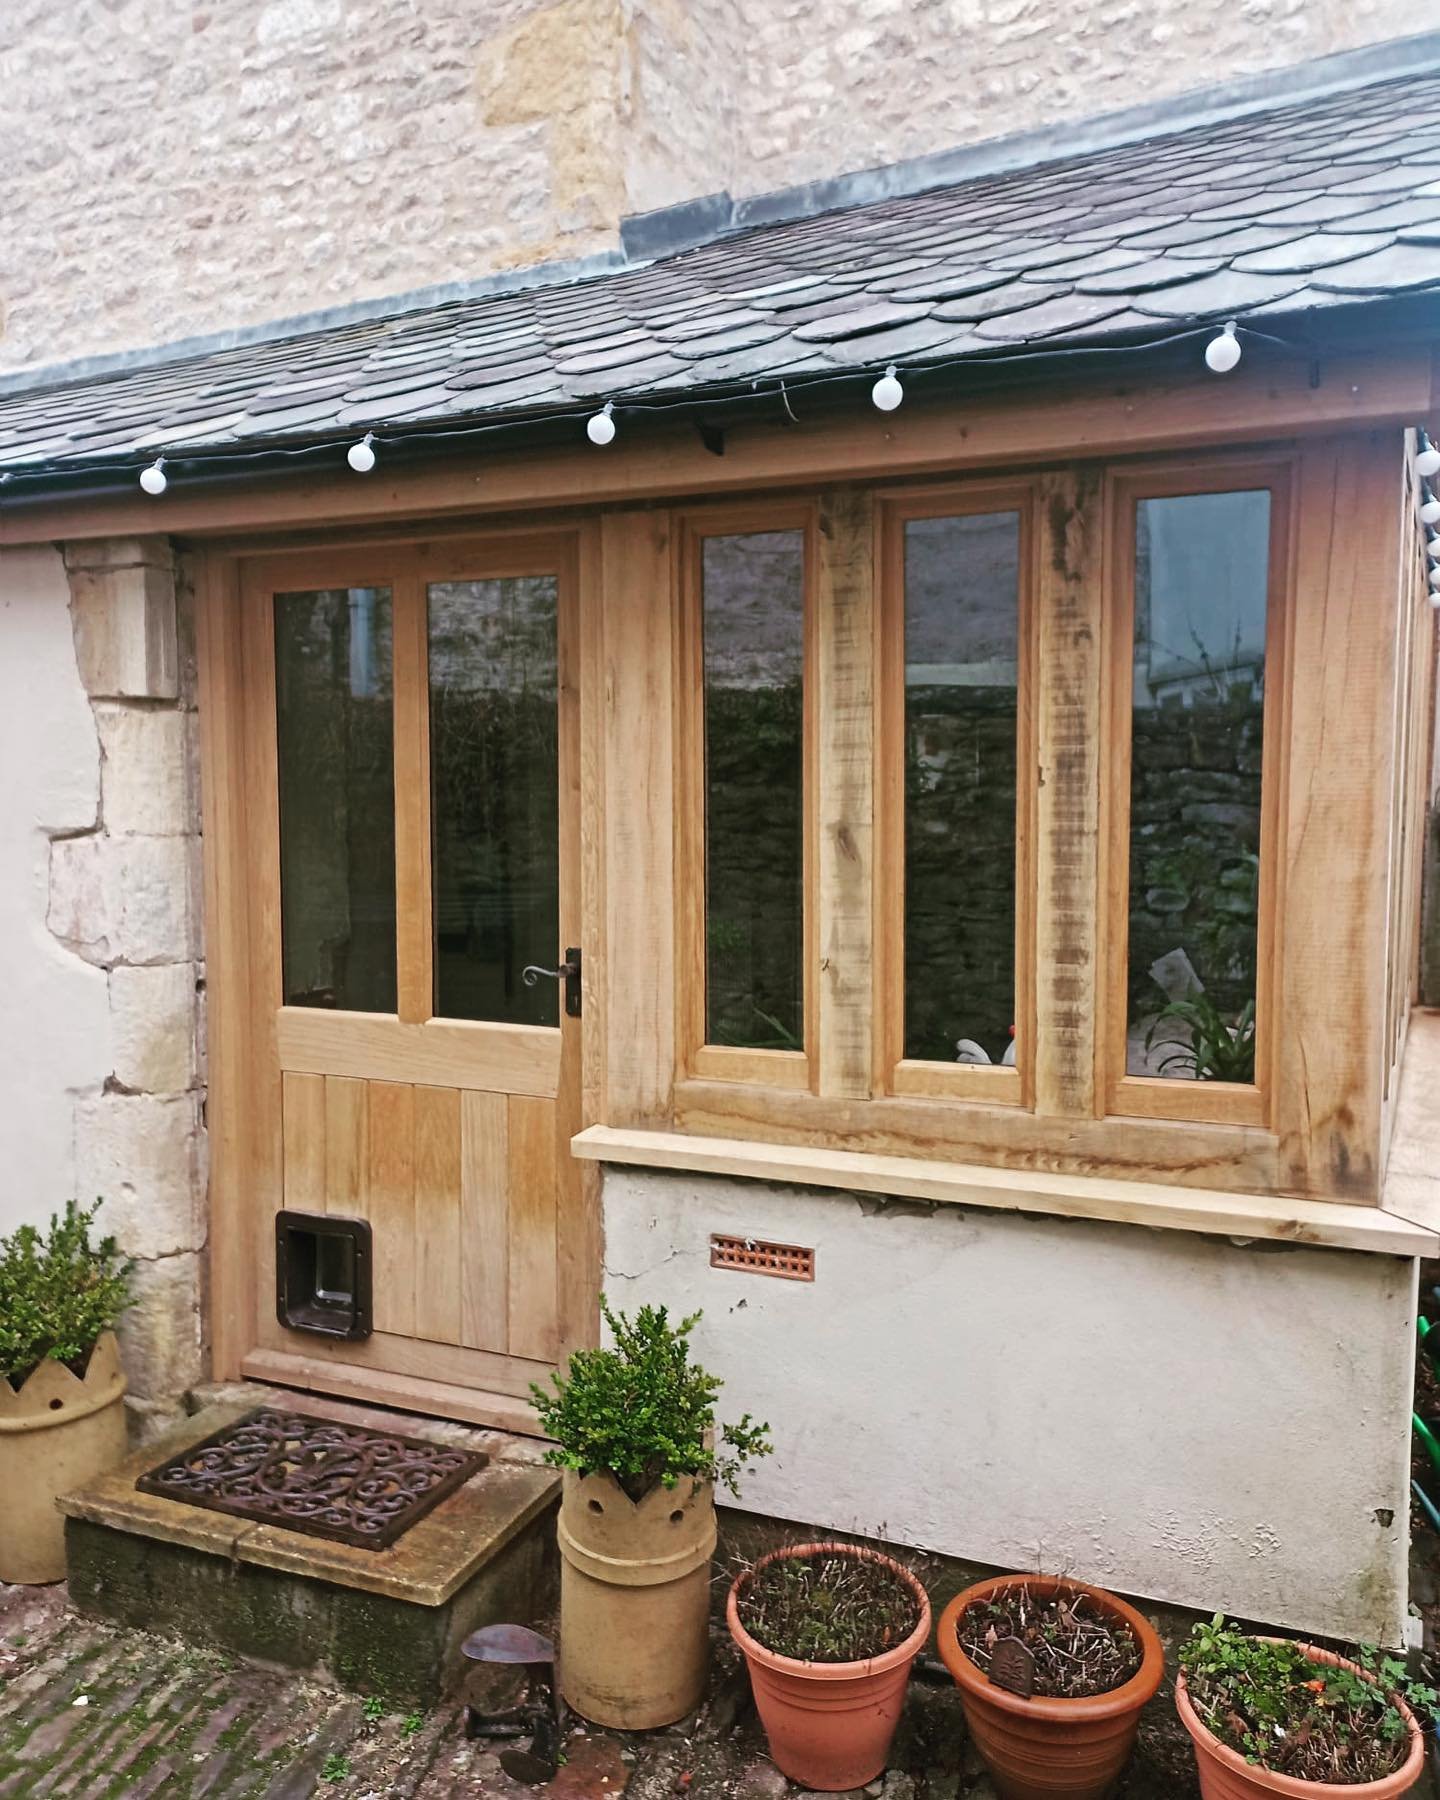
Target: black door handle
[(568, 972)]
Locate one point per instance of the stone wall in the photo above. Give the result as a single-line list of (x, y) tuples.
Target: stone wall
[(124, 900), (167, 171)]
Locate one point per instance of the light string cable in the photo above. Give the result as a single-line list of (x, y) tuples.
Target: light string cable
[(396, 435)]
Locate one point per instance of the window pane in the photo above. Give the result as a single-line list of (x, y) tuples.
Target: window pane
[(334, 705), (754, 629), (1201, 575), (962, 656), (494, 786)]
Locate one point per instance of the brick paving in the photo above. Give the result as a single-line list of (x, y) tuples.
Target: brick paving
[(92, 1712)]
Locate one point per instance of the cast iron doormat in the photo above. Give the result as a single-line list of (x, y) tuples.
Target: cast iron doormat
[(326, 1479)]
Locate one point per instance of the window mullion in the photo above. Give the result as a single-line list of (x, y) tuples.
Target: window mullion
[(1069, 725), (843, 786)]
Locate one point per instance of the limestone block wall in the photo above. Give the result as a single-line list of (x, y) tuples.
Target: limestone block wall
[(123, 903), (1175, 1416), (274, 157)]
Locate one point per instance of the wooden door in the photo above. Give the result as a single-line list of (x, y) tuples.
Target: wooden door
[(410, 727)]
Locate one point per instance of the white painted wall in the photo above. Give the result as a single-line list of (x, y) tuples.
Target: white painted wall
[(54, 1023), (1171, 1415)]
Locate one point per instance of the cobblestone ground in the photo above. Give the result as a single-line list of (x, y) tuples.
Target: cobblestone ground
[(95, 1713)]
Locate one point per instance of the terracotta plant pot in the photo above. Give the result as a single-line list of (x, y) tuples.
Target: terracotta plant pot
[(57, 1431), (830, 1725), (1225, 1774), (1046, 1749), (634, 1600)]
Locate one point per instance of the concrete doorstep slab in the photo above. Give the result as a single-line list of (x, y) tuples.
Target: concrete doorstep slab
[(387, 1622)]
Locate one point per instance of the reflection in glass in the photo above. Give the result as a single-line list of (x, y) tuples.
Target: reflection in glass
[(494, 783), (962, 657), (1201, 580), (335, 724), (754, 649)]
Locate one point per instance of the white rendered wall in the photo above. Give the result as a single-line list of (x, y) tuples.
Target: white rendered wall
[(1173, 1416), (54, 1014)]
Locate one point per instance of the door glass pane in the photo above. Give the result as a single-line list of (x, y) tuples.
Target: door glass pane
[(1201, 578), (495, 797), (335, 720), (962, 662), (754, 632)]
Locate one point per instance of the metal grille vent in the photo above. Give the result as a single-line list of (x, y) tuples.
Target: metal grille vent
[(755, 1257)]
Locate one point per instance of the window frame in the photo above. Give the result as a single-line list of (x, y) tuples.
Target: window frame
[(895, 1073), (1120, 1094), (696, 1058)]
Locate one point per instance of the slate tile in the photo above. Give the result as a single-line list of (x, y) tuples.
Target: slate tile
[(594, 362), (1157, 272), (1319, 209), (948, 283), (1397, 215), (1069, 312), (724, 343), (1398, 180), (876, 317), (1316, 250), (1018, 296), (1239, 241), (1212, 295), (1396, 270), (735, 318), (500, 373), (921, 339)]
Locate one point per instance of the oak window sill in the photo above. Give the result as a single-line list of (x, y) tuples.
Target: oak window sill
[(1321, 1223)]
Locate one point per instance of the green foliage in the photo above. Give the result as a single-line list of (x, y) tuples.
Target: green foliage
[(1208, 1045), (643, 1411), (336, 1768), (1279, 1709), (835, 1606), (411, 1723), (58, 1292), (373, 1709)]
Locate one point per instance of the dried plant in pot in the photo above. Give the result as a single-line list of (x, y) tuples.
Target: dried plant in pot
[(635, 1433), (1072, 1667), (62, 1390), (1268, 1716), (829, 1632)]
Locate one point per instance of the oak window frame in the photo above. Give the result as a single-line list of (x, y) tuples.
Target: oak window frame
[(1120, 1094), (696, 1057), (895, 1073)]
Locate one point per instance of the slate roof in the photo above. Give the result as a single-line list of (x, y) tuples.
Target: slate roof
[(1328, 202)]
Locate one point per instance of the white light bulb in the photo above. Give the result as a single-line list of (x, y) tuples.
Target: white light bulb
[(1435, 575), (361, 456), (887, 392), (1223, 351), (1430, 512), (1432, 546), (600, 427), (154, 480), (1427, 461)]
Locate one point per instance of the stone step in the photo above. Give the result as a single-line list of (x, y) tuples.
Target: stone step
[(384, 1622)]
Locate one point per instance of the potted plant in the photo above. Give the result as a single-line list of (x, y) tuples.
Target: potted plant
[(1268, 1716), (62, 1390), (1076, 1666), (634, 1428), (829, 1632)]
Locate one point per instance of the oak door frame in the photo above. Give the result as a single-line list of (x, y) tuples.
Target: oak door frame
[(242, 900)]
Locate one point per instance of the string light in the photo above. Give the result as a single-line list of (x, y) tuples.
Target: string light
[(1435, 575), (1432, 546), (361, 456), (1430, 510), (887, 392), (600, 427), (1223, 351), (1427, 458), (154, 480)]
